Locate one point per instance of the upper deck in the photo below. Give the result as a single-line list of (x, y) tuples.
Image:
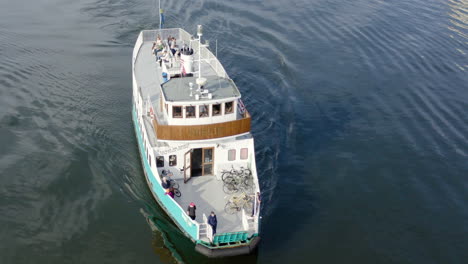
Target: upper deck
[(170, 88)]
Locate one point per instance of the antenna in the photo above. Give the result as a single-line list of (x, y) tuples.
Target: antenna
[(199, 33), (200, 81)]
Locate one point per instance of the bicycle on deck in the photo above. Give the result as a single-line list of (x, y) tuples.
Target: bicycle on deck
[(174, 185), (236, 203)]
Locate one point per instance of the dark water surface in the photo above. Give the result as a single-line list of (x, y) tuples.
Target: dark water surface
[(360, 115)]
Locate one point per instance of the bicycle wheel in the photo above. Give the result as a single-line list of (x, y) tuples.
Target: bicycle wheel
[(225, 175), (230, 188), (231, 180), (177, 192), (248, 206), (230, 208), (248, 181), (174, 184), (248, 189)]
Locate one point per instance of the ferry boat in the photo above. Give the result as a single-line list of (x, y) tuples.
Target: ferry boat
[(193, 134)]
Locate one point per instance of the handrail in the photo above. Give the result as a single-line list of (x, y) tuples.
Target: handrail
[(245, 222), (209, 229), (206, 54)]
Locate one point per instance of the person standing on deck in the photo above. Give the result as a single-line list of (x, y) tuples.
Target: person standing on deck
[(191, 211), (213, 222)]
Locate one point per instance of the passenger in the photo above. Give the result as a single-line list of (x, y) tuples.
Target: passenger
[(165, 184), (157, 46), (173, 46), (158, 41), (169, 40), (170, 192), (191, 211), (165, 55), (213, 222)]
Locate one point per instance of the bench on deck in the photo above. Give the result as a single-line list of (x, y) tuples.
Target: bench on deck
[(229, 238)]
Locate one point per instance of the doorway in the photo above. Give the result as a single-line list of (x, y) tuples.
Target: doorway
[(202, 160)]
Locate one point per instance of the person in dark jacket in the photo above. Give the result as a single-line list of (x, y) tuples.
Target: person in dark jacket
[(213, 221), (191, 211), (165, 184)]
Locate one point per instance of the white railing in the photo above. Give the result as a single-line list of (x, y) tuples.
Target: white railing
[(183, 36), (151, 35), (245, 222), (209, 58), (209, 229)]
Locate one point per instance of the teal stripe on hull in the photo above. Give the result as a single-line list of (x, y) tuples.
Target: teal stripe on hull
[(172, 208)]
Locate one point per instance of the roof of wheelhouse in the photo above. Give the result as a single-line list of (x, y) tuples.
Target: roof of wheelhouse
[(178, 89)]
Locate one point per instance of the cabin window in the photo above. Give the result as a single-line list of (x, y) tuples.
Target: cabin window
[(149, 158), (229, 108), (244, 153), (203, 111), (216, 109), (231, 154), (190, 111), (167, 109), (177, 111), (172, 160), (160, 161)]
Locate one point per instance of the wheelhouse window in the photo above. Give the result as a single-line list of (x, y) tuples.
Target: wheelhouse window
[(216, 109), (231, 154), (203, 111), (177, 111), (160, 161), (229, 108), (172, 160), (244, 153), (190, 111)]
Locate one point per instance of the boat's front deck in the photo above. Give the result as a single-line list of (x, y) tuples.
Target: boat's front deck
[(149, 78)]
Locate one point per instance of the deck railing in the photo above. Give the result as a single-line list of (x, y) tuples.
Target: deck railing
[(183, 36), (209, 229), (245, 222), (191, 227)]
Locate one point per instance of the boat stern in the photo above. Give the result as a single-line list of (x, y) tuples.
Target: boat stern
[(228, 244)]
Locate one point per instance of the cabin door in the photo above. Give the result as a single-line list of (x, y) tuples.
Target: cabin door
[(187, 167), (208, 160)]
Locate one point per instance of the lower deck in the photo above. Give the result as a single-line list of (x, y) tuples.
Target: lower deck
[(208, 195)]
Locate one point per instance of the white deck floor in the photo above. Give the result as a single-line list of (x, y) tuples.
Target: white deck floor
[(207, 194)]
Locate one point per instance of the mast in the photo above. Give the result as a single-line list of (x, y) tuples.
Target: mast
[(161, 16)]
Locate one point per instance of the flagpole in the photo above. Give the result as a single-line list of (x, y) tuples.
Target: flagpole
[(160, 17)]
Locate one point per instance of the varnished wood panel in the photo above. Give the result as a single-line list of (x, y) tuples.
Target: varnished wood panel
[(198, 132)]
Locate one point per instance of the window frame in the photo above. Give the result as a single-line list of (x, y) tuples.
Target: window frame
[(158, 160), (233, 155), (232, 108), (181, 111), (171, 163), (246, 153), (194, 111), (220, 110), (207, 108)]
